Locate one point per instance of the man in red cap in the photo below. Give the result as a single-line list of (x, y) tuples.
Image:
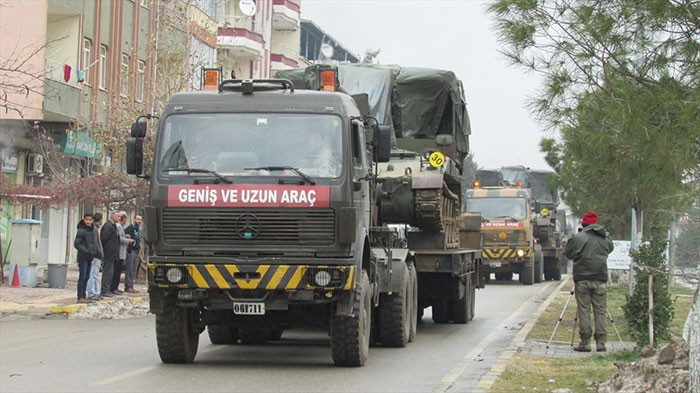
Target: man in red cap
[(589, 249)]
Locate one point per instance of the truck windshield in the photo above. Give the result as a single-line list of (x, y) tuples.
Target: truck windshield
[(243, 144), (495, 208)]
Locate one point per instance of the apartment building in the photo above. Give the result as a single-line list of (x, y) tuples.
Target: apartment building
[(258, 38), (72, 61)]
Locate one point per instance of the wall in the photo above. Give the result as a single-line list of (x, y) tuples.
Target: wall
[(22, 33)]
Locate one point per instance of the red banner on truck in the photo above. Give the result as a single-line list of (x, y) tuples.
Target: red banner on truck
[(502, 224), (248, 195)]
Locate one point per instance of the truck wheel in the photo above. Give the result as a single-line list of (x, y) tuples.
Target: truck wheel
[(253, 336), (176, 336), (219, 334), (395, 315), (539, 264), (413, 279), (350, 335), (441, 311), (527, 273), (461, 307), (557, 273)]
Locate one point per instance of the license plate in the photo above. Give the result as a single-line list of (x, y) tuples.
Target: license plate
[(495, 264), (249, 308)]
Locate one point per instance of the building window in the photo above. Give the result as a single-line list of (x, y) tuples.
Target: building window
[(144, 3), (103, 67), (125, 75), (87, 47), (141, 81)]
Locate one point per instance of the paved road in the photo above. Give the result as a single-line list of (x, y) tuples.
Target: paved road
[(120, 355)]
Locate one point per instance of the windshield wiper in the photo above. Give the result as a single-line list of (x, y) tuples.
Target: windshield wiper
[(200, 170), (303, 175), (508, 217)]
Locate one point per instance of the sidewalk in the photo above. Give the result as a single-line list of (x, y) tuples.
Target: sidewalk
[(42, 300)]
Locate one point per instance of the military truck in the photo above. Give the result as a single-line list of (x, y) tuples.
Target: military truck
[(263, 215), (420, 188), (507, 229), (550, 221)]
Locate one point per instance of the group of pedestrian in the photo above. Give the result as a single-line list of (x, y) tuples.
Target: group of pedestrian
[(112, 248)]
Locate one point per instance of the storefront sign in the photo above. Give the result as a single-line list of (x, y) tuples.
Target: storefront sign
[(80, 144)]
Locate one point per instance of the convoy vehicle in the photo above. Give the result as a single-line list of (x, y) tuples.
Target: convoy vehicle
[(264, 215), (507, 229), (420, 188), (550, 223)]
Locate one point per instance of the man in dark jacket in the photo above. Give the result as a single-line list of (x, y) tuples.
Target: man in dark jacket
[(589, 249), (110, 248), (85, 243), (133, 258)]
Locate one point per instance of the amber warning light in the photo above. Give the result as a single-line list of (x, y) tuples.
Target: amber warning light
[(476, 184), (211, 77), (328, 80)]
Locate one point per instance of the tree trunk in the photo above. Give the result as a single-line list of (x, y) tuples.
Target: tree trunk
[(651, 309)]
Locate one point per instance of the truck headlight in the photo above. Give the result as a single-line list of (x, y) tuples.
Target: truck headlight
[(174, 275), (521, 253), (322, 278)]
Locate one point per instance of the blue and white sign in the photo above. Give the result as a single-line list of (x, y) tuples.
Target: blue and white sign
[(620, 258)]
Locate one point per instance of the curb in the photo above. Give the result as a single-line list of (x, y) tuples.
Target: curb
[(489, 379), (73, 308)]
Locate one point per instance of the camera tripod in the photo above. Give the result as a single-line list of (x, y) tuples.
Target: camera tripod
[(573, 333)]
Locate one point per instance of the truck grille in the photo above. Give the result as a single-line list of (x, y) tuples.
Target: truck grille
[(310, 227)]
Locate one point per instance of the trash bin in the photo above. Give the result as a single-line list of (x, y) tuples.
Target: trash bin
[(57, 275)]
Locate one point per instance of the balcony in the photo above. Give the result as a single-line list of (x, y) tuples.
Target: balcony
[(241, 42), (283, 57), (285, 15), (61, 100)]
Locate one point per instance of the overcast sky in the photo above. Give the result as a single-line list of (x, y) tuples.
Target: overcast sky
[(452, 35)]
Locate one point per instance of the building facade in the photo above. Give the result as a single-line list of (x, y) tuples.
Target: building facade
[(73, 60)]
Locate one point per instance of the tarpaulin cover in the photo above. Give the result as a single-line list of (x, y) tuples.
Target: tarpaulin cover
[(417, 102)]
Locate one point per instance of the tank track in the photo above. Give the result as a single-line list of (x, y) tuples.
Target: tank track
[(436, 210)]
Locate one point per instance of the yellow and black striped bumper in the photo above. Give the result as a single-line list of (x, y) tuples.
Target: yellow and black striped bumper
[(267, 277), (505, 253)]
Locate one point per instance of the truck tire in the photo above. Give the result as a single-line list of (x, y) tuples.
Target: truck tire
[(527, 273), (539, 264), (176, 336), (413, 279), (461, 308), (219, 334), (472, 306), (441, 311), (350, 335), (395, 314), (557, 273), (254, 336)]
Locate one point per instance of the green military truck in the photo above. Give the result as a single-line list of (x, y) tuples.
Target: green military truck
[(263, 215)]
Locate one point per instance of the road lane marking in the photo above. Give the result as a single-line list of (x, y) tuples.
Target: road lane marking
[(139, 371), (467, 360)]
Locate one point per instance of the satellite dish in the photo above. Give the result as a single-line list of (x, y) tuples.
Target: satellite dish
[(327, 50), (247, 7)]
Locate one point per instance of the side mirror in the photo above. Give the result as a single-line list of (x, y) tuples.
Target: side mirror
[(138, 128), (444, 140), (381, 141), (134, 156)]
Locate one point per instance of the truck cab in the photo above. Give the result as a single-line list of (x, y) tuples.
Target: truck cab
[(258, 217), (507, 231)]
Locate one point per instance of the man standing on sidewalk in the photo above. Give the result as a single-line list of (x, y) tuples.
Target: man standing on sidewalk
[(93, 284), (85, 243), (132, 254), (110, 247), (589, 249), (124, 241)]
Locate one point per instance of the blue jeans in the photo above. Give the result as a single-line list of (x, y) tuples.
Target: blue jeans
[(83, 275), (93, 284)]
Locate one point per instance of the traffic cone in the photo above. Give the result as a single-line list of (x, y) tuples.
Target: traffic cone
[(15, 277)]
